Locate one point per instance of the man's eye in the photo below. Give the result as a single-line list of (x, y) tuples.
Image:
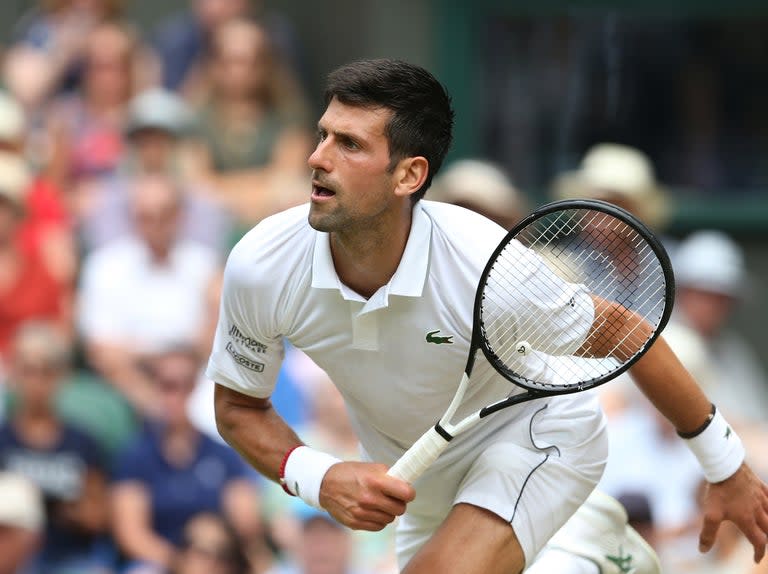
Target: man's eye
[(350, 144), (321, 136)]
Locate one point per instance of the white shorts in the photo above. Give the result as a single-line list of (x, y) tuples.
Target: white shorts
[(533, 472)]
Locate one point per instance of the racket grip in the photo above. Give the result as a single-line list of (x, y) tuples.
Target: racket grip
[(419, 457)]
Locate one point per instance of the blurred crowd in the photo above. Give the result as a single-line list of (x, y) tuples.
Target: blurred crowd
[(131, 160)]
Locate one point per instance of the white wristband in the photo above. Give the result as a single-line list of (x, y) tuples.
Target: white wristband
[(718, 449), (304, 472)]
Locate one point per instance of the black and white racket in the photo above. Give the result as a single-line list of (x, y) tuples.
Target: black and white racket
[(592, 247)]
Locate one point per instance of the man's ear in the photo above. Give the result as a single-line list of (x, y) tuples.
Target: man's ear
[(410, 175)]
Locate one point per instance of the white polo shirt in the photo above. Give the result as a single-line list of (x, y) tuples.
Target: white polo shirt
[(396, 357)]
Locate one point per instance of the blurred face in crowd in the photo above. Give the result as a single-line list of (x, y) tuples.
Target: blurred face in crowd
[(208, 548), (154, 150), (156, 212), (37, 369), (706, 311), (240, 63), (109, 70), (325, 547), (211, 13), (175, 377)]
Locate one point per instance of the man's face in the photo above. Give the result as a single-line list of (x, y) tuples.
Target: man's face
[(351, 180)]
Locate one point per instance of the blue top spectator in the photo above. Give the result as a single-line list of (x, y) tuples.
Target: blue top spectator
[(172, 471)]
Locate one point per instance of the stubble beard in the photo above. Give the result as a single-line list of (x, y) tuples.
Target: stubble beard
[(326, 222)]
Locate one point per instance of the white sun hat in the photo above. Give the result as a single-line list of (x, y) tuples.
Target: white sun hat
[(712, 261), (611, 170), (479, 184)]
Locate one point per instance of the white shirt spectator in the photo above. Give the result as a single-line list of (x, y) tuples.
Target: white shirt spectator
[(128, 298)]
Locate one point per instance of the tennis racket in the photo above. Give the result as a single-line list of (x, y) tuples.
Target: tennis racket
[(605, 265)]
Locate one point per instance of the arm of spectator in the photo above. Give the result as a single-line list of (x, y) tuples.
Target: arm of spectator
[(253, 194), (131, 525), (89, 513), (120, 368), (59, 165), (212, 299)]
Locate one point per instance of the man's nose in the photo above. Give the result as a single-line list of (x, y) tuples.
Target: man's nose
[(319, 159)]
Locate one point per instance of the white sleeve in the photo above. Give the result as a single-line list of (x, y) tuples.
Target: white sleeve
[(248, 347), (553, 313)]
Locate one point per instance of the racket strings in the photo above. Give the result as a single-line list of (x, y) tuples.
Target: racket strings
[(583, 247)]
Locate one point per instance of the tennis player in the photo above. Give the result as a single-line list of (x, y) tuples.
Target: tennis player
[(376, 286)]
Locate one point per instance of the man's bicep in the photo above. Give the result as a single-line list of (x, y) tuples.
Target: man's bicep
[(248, 347), (232, 408), (225, 397)]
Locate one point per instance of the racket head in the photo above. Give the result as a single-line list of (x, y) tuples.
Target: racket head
[(592, 244)]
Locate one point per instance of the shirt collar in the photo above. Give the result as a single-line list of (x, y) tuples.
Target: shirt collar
[(408, 280)]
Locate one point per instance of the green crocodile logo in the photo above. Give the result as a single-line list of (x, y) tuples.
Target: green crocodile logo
[(433, 338), (622, 561)]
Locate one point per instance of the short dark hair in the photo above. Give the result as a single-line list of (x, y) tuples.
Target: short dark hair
[(422, 119)]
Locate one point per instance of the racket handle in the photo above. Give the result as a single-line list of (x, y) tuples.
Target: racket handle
[(419, 457)]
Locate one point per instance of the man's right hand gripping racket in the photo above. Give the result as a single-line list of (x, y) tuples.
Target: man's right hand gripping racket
[(622, 280)]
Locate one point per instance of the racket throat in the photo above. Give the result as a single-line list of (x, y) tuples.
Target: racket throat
[(443, 433), (513, 400)]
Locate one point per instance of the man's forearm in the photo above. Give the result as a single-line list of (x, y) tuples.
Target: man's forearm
[(664, 380), (254, 429)]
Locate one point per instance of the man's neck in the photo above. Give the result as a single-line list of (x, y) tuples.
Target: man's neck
[(367, 259)]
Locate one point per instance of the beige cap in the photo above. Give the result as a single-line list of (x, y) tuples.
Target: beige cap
[(612, 170), (158, 109), (14, 178), (480, 184), (21, 503)]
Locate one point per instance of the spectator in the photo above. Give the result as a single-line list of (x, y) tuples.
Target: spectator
[(26, 76), (85, 127), (22, 520), (171, 472), (621, 175), (483, 187), (182, 40), (46, 226), (66, 463), (712, 282), (58, 29), (210, 546), (33, 283), (145, 292), (254, 142), (156, 129)]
